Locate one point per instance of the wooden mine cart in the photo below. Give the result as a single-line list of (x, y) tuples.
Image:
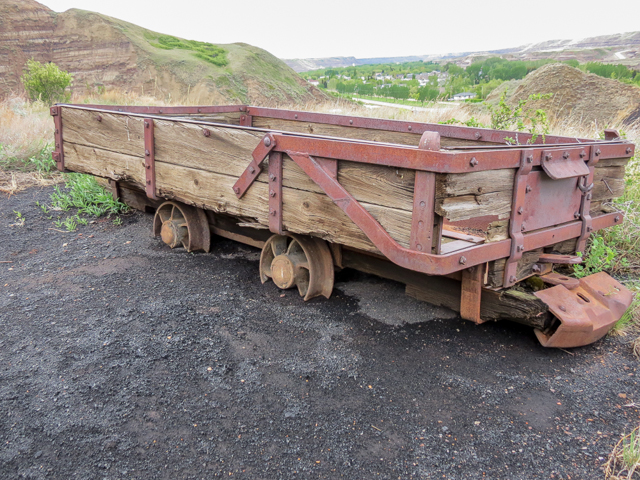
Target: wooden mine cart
[(460, 215)]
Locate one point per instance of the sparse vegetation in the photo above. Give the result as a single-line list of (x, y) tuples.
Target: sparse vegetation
[(205, 51), (624, 461)]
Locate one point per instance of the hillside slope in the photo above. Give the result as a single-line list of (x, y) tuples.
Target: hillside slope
[(102, 51), (577, 95)]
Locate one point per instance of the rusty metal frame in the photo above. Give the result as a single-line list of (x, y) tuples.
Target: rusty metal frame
[(58, 153), (260, 153), (150, 158), (516, 224), (585, 205), (275, 193)]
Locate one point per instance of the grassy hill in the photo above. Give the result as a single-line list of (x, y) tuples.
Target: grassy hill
[(103, 52)]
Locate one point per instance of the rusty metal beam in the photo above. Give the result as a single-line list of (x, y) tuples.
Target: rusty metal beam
[(58, 153), (275, 193), (150, 158)]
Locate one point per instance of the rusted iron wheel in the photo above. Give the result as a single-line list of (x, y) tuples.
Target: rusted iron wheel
[(295, 260), (178, 224)]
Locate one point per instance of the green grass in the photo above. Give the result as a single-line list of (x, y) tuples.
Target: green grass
[(84, 193), (204, 51), (41, 162)]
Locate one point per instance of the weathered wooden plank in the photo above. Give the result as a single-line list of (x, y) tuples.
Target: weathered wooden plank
[(105, 163), (495, 277), (608, 183), (118, 133), (465, 207), (474, 183)]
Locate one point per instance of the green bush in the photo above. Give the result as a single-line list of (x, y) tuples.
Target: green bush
[(46, 82)]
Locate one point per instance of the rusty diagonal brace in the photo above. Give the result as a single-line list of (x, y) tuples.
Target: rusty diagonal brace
[(267, 144)]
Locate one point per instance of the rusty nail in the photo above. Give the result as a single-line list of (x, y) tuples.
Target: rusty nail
[(528, 189), (267, 142), (628, 149), (272, 193), (206, 132), (463, 260), (473, 162), (99, 118), (617, 218), (563, 308), (598, 152), (535, 268), (147, 153), (512, 279), (565, 155), (236, 189), (530, 159), (520, 210), (272, 177), (252, 170)]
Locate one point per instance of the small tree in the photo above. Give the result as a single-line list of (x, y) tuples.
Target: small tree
[(46, 82)]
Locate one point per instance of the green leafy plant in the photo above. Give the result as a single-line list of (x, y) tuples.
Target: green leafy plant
[(117, 221), (46, 82), (19, 219), (521, 118), (600, 256)]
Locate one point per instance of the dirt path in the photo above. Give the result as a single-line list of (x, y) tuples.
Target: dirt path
[(122, 359)]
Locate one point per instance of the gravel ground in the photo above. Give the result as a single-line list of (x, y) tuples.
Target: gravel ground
[(122, 359)]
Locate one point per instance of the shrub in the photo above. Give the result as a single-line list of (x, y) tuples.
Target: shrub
[(46, 82)]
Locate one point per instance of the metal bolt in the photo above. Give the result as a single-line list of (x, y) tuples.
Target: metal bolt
[(148, 182), (463, 260), (548, 156), (206, 132), (628, 150), (160, 111), (267, 142), (146, 124), (199, 110), (523, 227), (252, 170), (520, 210), (422, 204), (478, 135), (528, 189), (273, 213), (272, 177), (272, 193), (236, 189), (536, 268), (616, 218), (420, 223), (147, 153), (512, 279), (589, 229), (409, 127), (473, 162), (589, 196), (242, 118), (56, 131), (562, 308), (148, 167), (583, 154), (295, 116), (350, 122), (576, 214), (419, 247), (521, 248), (598, 152), (565, 155), (530, 159)]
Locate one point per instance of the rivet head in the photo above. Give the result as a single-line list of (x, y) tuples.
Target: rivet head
[(267, 142), (206, 132), (273, 213), (478, 135), (419, 247), (473, 162), (409, 127), (562, 308), (272, 193), (521, 248), (523, 227), (272, 177), (236, 189), (147, 153), (199, 110), (148, 167), (422, 204), (420, 223), (589, 229), (616, 218), (576, 214), (146, 124), (528, 189), (463, 260), (530, 159), (252, 170), (548, 157), (583, 154), (598, 152), (512, 279), (99, 118), (565, 155), (295, 116), (628, 150), (535, 268), (350, 122), (520, 210)]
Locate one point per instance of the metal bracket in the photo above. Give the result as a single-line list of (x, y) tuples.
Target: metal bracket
[(516, 224), (267, 144), (275, 193), (568, 163), (585, 203), (246, 120), (150, 158), (58, 153)]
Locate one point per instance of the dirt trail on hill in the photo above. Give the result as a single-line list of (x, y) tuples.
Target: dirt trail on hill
[(120, 358)]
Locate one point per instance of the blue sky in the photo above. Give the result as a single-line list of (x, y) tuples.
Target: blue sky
[(324, 28)]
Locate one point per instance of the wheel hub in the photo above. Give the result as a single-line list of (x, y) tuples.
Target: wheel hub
[(173, 232), (283, 272)]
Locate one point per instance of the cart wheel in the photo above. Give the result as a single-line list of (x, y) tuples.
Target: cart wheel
[(178, 224), (294, 260)]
